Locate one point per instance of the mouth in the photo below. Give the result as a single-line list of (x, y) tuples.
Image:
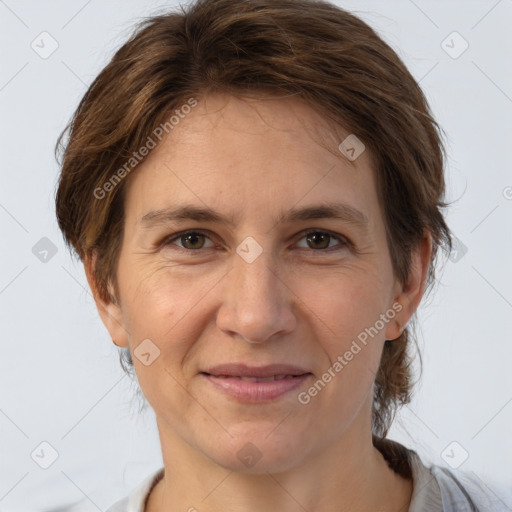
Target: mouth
[(260, 372), (256, 384), (255, 379)]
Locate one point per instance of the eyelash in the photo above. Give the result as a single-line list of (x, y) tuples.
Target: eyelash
[(344, 242)]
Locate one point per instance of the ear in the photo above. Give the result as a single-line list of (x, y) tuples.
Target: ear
[(109, 309), (409, 295)]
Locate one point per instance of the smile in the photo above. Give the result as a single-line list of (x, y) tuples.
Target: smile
[(251, 389)]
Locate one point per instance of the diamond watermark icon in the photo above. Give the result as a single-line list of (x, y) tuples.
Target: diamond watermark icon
[(351, 147), (249, 249), (146, 352), (44, 455), (454, 455), (249, 455), (454, 45), (458, 250), (44, 45), (44, 250)]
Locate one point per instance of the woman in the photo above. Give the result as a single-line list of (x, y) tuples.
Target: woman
[(255, 189)]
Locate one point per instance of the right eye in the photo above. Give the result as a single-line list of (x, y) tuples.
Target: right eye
[(194, 239)]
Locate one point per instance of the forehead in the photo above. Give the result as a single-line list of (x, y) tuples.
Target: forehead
[(287, 120), (253, 154)]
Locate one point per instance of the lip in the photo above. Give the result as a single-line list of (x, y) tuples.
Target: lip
[(243, 370), (231, 379)]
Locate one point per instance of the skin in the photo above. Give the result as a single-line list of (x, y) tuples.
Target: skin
[(297, 303)]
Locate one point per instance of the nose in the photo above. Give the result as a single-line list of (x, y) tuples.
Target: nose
[(257, 305)]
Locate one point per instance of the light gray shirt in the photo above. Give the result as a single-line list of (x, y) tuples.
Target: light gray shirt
[(435, 489)]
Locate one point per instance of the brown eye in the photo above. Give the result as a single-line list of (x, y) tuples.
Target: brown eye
[(193, 240), (318, 240), (321, 240), (189, 240)]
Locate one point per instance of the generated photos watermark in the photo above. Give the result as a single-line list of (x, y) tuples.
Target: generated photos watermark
[(304, 397), (143, 151)]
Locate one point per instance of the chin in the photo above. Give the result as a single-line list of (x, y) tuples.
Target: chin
[(257, 454)]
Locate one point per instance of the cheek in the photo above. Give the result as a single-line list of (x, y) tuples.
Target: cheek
[(346, 315), (161, 307), (345, 305), (167, 307), (159, 300)]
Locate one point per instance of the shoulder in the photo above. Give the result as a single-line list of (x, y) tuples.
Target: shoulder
[(136, 500), (447, 490), (463, 487), (439, 489)]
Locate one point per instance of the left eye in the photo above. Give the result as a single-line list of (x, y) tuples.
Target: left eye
[(194, 240), (323, 239)]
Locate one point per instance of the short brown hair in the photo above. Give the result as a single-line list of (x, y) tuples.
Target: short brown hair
[(311, 49)]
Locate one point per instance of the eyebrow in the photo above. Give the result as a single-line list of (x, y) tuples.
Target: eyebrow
[(338, 211)]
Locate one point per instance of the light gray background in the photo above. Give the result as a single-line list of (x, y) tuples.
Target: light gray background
[(60, 379)]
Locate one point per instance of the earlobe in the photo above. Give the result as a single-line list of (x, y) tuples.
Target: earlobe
[(394, 329), (109, 310)]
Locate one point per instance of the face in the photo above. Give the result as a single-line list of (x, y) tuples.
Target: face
[(280, 280)]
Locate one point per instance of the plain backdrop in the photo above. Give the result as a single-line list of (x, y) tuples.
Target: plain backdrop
[(60, 378)]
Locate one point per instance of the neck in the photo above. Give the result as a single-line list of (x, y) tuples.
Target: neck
[(346, 478)]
